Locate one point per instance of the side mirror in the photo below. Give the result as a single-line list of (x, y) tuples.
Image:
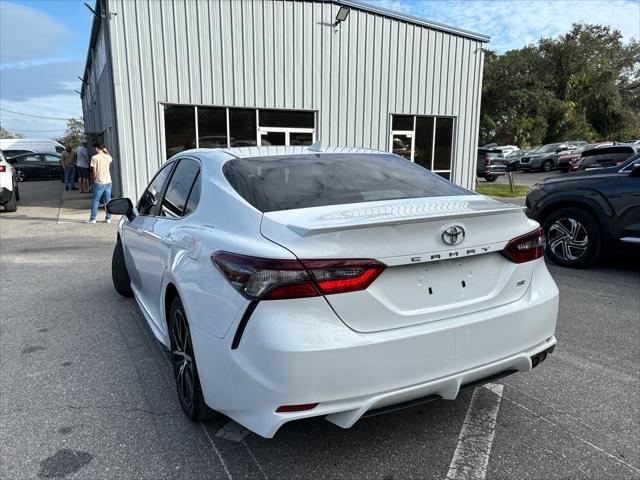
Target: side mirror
[(121, 206), (11, 160), (635, 171)]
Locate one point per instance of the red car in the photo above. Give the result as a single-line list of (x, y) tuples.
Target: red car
[(568, 162)]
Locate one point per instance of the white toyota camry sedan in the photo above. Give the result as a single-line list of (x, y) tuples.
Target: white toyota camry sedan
[(290, 282)]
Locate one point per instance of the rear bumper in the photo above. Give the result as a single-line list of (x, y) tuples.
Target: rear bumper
[(305, 354)]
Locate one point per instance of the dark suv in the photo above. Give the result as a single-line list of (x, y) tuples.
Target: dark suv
[(585, 214), (490, 164), (605, 156)]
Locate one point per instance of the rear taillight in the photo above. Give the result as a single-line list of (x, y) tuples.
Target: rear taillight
[(3, 169), (487, 160), (271, 279), (526, 247)]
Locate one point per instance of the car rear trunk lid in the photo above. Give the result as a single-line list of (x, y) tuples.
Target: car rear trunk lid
[(425, 280)]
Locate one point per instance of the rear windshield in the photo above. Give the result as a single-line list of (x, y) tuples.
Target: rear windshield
[(300, 181)]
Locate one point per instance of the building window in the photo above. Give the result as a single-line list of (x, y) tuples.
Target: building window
[(212, 127), (221, 127), (427, 141), (179, 128), (242, 128)]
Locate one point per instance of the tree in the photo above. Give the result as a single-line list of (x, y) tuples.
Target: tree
[(581, 85), (74, 135), (6, 134)]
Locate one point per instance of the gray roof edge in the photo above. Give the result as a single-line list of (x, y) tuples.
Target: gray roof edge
[(360, 5)]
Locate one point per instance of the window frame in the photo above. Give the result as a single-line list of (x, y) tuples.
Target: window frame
[(171, 166), (412, 133), (166, 186), (163, 139)]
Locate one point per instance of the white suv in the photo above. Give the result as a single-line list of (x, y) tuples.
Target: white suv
[(9, 193)]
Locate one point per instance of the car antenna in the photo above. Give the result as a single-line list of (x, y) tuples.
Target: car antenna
[(315, 147)]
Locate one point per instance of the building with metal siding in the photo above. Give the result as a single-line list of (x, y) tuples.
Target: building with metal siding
[(153, 65)]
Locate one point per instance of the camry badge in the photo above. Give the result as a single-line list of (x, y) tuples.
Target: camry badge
[(453, 235)]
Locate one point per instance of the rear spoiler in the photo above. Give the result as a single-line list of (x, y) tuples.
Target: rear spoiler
[(348, 217)]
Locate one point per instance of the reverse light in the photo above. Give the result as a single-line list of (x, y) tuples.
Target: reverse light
[(525, 248), (271, 279)]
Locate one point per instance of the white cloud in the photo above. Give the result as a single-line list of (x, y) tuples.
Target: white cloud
[(515, 23), (65, 106), (29, 35)]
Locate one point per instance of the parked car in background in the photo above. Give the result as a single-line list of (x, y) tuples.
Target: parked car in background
[(37, 166), (9, 191), (566, 162), (490, 164), (333, 284), (605, 156), (588, 213), (512, 161), (545, 158), (507, 149), (18, 146)]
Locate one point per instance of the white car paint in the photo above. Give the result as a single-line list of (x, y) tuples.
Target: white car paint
[(436, 319), (7, 179)]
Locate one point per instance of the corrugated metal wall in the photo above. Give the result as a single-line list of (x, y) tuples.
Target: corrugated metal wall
[(287, 54)]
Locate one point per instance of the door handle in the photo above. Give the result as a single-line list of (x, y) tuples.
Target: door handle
[(149, 233)]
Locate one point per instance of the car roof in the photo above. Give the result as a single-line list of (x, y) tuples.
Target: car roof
[(224, 154)]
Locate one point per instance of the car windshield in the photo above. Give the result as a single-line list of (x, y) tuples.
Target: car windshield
[(515, 153), (548, 148), (301, 181)]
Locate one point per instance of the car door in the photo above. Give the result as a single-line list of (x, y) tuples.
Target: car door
[(32, 165), (155, 239), (140, 245), (52, 166), (626, 203)]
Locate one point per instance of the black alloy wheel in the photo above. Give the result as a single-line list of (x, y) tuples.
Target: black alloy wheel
[(184, 365), (573, 238)]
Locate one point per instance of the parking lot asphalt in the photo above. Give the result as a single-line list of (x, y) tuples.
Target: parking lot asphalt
[(87, 393)]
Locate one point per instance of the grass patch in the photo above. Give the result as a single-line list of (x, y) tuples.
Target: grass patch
[(501, 190)]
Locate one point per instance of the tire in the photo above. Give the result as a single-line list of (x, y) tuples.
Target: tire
[(11, 206), (119, 274), (490, 178), (573, 238), (185, 370), (17, 190), (547, 166)]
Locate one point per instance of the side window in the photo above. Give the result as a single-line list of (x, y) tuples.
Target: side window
[(32, 158), (194, 196), (175, 199), (151, 195), (52, 158)]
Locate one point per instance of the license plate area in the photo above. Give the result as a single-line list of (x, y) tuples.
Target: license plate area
[(448, 284)]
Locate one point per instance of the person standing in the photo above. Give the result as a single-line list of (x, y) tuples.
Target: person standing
[(67, 160), (101, 177), (84, 170)]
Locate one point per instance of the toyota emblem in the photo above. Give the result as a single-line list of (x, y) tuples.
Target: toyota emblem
[(453, 235)]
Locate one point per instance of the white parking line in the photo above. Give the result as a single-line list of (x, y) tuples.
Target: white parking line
[(471, 456), (233, 431), (217, 452)]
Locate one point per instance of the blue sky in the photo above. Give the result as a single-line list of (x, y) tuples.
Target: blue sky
[(43, 44)]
